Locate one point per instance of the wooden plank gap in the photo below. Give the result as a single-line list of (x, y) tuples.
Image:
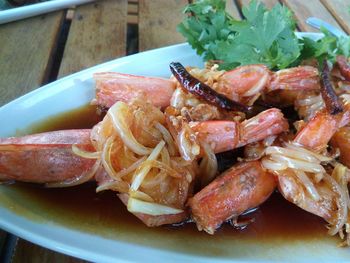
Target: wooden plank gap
[(61, 43), (233, 9), (340, 11), (302, 11), (158, 21), (97, 34), (133, 12), (26, 49), (133, 8), (70, 14)]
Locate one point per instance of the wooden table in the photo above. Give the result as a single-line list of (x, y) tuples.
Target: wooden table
[(39, 50)]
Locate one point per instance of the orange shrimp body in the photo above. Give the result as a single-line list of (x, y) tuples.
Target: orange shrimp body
[(242, 187), (44, 157), (228, 135), (112, 87), (321, 128), (244, 81), (341, 140)]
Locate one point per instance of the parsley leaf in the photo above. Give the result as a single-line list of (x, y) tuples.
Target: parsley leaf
[(265, 37), (206, 24), (327, 47)]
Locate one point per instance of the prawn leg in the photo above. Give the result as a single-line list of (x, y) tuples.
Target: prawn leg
[(44, 157), (242, 187)]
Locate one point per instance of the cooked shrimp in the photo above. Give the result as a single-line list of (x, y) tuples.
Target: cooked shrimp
[(299, 78), (244, 84), (152, 158), (142, 163), (341, 140), (45, 157), (320, 129), (302, 179), (344, 67), (228, 135), (112, 87), (54, 149), (242, 187)]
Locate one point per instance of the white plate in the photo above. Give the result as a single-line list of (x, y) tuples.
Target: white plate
[(138, 243)]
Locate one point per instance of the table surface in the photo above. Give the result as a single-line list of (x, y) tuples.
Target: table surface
[(39, 50)]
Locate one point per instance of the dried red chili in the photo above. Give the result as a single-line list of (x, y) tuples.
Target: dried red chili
[(203, 91)]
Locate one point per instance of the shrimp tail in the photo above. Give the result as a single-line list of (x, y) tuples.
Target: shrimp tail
[(259, 127)]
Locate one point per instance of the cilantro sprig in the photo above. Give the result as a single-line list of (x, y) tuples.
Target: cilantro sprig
[(327, 47), (263, 37)]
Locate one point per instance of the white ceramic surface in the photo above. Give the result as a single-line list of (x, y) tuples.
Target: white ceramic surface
[(77, 90)]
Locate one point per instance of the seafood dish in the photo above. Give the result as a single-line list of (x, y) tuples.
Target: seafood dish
[(157, 144), (281, 120)]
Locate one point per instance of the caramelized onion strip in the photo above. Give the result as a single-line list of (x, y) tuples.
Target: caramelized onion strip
[(143, 170)]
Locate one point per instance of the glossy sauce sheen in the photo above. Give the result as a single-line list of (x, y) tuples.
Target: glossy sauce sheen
[(277, 222)]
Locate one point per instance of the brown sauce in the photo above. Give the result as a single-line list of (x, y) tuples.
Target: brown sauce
[(276, 222)]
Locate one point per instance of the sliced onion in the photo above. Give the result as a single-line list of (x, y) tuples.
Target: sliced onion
[(83, 178), (166, 168), (345, 98), (290, 153), (156, 180), (208, 166), (298, 164), (140, 196), (316, 106), (106, 159), (167, 137), (273, 166), (143, 170), (118, 186), (189, 149), (340, 175), (165, 156), (85, 154), (117, 113), (318, 177), (320, 157), (309, 101), (131, 168), (341, 203), (305, 180), (148, 208)]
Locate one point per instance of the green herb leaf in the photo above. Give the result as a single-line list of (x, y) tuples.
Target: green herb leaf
[(327, 47), (263, 37)]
